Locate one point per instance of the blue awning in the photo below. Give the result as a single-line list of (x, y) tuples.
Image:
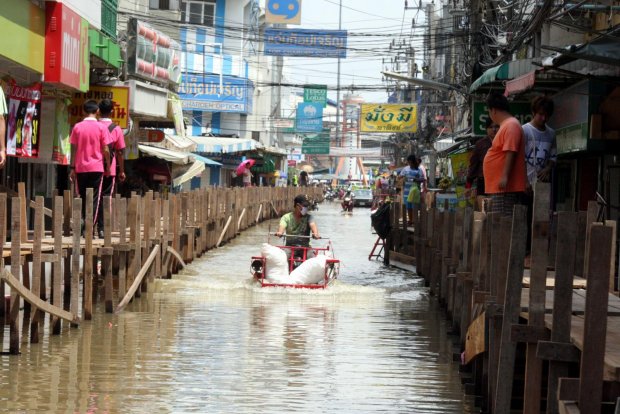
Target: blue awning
[(223, 145), (206, 161)]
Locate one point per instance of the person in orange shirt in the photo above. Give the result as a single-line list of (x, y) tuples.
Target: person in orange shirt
[(504, 164)]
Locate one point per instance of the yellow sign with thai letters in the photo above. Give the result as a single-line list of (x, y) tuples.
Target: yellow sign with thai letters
[(389, 118)]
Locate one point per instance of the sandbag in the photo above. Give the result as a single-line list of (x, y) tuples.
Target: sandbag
[(277, 263), (310, 271)]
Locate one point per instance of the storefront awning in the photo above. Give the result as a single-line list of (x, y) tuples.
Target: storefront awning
[(175, 157), (207, 161), (503, 72), (196, 168), (222, 145), (520, 84)]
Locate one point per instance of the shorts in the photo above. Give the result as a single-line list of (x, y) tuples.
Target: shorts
[(504, 203)]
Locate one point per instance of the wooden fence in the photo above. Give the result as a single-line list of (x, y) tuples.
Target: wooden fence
[(536, 339), (52, 270)]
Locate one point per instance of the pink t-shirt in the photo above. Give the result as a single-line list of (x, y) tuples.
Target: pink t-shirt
[(117, 141), (89, 137)]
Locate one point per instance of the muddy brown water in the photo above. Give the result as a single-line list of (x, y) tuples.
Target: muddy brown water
[(209, 340)]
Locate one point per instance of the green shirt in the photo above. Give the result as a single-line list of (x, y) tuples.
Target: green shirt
[(293, 226)]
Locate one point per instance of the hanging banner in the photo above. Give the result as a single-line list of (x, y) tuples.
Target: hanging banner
[(306, 42), (175, 111), (283, 11), (316, 93), (62, 131), (389, 118), (460, 165), (309, 117), (23, 121)]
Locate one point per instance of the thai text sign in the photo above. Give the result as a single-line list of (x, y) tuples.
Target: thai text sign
[(309, 117), (306, 42), (316, 93), (203, 93), (119, 95), (283, 11), (389, 118), (22, 131), (316, 143), (520, 110), (66, 47)]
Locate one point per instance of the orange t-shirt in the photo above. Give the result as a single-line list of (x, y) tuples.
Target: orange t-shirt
[(508, 138)]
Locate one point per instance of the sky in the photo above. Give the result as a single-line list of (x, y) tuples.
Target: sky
[(382, 20)]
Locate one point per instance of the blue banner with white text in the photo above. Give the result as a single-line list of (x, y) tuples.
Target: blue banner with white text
[(306, 42)]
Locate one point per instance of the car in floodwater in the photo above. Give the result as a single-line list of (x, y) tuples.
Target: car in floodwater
[(362, 197)]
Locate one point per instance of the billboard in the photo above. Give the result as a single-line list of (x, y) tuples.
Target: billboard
[(119, 95), (22, 130), (306, 42), (283, 11), (389, 118), (309, 117), (66, 47), (151, 54), (203, 93)]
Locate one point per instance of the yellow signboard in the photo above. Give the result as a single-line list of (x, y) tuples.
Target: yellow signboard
[(389, 118), (283, 11), (117, 94)]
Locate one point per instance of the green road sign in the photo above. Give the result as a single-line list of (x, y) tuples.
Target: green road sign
[(316, 93)]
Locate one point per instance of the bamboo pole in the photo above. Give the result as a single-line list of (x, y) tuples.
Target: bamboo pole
[(219, 241)]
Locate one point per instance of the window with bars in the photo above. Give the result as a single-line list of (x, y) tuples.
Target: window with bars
[(200, 12)]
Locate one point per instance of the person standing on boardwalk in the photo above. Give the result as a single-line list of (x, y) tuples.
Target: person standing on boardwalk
[(474, 173), (90, 155), (504, 163), (412, 177), (116, 147)]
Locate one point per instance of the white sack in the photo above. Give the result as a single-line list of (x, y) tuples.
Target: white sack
[(310, 271), (276, 263)]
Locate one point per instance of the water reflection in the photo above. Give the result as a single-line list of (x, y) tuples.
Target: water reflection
[(211, 341)]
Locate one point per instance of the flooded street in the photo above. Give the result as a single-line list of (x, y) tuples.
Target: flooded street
[(209, 340)]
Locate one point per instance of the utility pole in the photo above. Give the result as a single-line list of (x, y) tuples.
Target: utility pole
[(338, 138)]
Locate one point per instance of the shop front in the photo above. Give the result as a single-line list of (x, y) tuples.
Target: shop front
[(587, 128)]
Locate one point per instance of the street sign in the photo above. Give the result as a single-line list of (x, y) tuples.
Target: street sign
[(309, 117), (306, 42), (316, 93), (316, 143), (283, 11)]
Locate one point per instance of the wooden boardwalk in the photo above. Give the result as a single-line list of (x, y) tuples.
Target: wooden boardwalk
[(50, 269), (542, 339)]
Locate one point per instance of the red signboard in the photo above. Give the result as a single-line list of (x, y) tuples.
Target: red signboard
[(292, 163), (66, 47)]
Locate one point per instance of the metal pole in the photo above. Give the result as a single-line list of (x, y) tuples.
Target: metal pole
[(338, 138)]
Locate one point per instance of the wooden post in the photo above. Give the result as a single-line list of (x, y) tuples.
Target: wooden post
[(37, 317), (122, 240), (88, 256), (562, 300), (21, 191), (538, 281), (16, 225), (3, 212), (57, 266), (106, 256), (75, 257), (595, 320), (512, 308)]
